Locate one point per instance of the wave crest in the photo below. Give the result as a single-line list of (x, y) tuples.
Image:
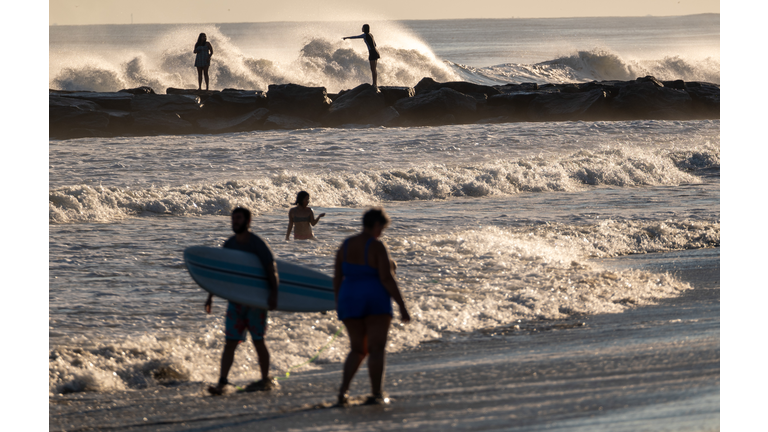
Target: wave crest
[(624, 167), (593, 65)]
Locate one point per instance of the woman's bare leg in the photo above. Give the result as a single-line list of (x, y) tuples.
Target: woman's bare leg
[(373, 73), (205, 72), (357, 352), (377, 327), (199, 78)]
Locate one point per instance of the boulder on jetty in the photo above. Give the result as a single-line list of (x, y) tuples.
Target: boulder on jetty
[(244, 122), (106, 100), (72, 117), (231, 102), (442, 106), (478, 91), (138, 90), (140, 111), (392, 94), (298, 101), (355, 106)]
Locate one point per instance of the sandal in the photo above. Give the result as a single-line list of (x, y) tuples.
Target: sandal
[(343, 400), (218, 389), (378, 399), (262, 385)]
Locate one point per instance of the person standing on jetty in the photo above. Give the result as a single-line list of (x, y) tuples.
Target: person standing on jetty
[(204, 51), (364, 283), (373, 53), (239, 317), (303, 218)]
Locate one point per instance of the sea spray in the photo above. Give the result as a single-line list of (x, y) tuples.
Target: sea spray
[(318, 57), (319, 61)]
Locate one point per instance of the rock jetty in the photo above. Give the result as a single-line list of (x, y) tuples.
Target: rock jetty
[(141, 112)]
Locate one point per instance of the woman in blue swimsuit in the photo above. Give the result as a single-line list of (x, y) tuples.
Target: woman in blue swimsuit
[(365, 285), (373, 53)]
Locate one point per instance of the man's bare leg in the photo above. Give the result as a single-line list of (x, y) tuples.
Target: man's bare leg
[(374, 75), (227, 358)]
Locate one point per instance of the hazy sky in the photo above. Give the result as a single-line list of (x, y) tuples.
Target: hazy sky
[(74, 12)]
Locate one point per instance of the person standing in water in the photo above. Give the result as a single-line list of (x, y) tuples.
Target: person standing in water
[(204, 51), (373, 53), (303, 218), (239, 317), (364, 283)]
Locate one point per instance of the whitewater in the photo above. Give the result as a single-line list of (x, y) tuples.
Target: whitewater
[(494, 225)]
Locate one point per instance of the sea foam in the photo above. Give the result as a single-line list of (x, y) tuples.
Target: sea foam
[(616, 166), (453, 282)]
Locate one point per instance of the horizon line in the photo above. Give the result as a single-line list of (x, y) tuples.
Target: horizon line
[(402, 20)]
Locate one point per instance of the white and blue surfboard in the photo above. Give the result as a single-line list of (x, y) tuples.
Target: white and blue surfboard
[(238, 276)]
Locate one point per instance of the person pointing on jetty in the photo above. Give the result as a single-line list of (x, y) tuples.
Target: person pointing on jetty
[(373, 53)]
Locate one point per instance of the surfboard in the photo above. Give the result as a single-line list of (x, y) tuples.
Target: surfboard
[(238, 276)]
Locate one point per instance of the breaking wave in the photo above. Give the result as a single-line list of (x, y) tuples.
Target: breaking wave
[(594, 65), (623, 167)]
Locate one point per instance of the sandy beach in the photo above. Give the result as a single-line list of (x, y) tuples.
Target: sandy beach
[(651, 368)]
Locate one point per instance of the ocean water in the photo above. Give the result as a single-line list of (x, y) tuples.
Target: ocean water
[(492, 224)]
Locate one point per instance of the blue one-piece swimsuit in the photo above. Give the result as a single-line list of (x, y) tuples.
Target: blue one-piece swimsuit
[(362, 293)]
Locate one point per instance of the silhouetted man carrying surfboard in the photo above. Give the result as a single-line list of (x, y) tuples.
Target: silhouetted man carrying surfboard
[(240, 317)]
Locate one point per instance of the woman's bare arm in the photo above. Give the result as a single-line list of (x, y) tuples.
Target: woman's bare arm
[(290, 224), (387, 277), (338, 274), (312, 219)]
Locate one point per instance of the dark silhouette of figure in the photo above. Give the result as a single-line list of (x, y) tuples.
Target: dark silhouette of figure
[(365, 285), (373, 53), (302, 218), (204, 51), (241, 317)]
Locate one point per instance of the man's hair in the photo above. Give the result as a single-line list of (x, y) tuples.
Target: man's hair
[(244, 211), (374, 215)]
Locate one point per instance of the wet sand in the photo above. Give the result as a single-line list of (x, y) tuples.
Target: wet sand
[(653, 368)]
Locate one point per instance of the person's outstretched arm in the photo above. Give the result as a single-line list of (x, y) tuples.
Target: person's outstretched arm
[(387, 277), (312, 217), (270, 270), (267, 260), (290, 225), (354, 37), (209, 303)]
